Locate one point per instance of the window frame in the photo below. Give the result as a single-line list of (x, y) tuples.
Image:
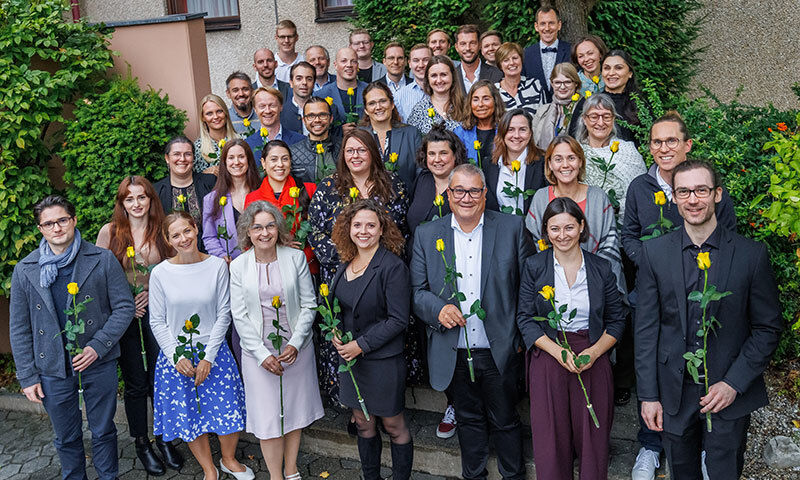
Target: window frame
[(213, 23), (333, 14)]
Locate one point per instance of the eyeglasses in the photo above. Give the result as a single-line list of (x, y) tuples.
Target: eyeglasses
[(699, 192), (671, 142), (256, 228), (61, 222), (179, 155), (362, 42), (394, 59), (351, 152), (317, 116), (568, 83), (474, 193), (382, 102), (595, 117)]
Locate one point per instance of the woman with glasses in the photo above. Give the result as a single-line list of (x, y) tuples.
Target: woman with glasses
[(397, 142), (360, 173), (443, 102), (486, 108), (270, 268), (516, 90), (554, 119), (612, 163)]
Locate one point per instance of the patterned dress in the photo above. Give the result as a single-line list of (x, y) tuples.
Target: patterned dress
[(325, 207), (419, 117), (530, 95)]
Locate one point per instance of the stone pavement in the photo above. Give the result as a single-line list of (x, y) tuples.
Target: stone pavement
[(27, 452)]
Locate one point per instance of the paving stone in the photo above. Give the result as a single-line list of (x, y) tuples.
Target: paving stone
[(350, 464), (27, 454), (125, 465), (324, 464), (35, 464), (9, 470)]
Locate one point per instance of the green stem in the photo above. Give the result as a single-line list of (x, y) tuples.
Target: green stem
[(225, 220), (705, 347), (440, 211), (466, 335), (478, 154), (196, 393), (141, 339), (358, 393)]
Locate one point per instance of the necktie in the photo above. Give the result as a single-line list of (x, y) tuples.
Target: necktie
[(549, 50)]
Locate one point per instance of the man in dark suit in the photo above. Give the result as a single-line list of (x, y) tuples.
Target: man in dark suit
[(472, 68), (667, 326), (394, 58), (264, 64), (343, 103), (489, 249), (301, 77), (542, 56), (268, 104)]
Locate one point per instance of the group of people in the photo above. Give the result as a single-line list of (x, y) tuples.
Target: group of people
[(477, 225)]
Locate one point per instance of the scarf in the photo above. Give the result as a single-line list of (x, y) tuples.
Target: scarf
[(49, 262)]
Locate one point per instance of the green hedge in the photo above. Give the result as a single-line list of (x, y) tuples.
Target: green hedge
[(117, 133)]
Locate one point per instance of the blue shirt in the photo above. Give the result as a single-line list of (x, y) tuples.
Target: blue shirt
[(406, 98)]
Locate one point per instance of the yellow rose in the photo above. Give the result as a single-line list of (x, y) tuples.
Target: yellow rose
[(587, 94), (72, 288), (547, 292), (439, 245), (294, 192), (221, 143), (431, 112), (476, 144), (223, 200), (130, 252), (660, 198), (542, 245), (354, 193), (188, 325), (614, 146), (181, 198), (276, 301), (515, 166), (320, 149), (596, 79), (393, 157), (703, 260), (350, 91), (264, 132), (329, 100), (323, 290), (576, 97), (246, 122), (438, 200)]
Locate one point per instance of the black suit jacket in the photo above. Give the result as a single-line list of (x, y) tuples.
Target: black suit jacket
[(203, 184), (532, 63), (290, 115), (739, 350), (283, 87), (606, 313), (488, 72), (382, 308), (534, 179)]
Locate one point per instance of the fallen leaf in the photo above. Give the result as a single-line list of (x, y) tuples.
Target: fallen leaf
[(325, 474), (251, 457), (796, 423)]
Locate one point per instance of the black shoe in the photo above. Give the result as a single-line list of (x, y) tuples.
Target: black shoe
[(352, 430), (150, 461), (622, 396), (369, 450), (172, 457), (402, 459)]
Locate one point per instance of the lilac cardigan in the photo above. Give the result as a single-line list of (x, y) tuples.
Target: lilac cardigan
[(216, 246)]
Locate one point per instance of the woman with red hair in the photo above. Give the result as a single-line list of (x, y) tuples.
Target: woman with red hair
[(134, 237)]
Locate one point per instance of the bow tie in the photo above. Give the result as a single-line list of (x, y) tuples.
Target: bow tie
[(549, 50)]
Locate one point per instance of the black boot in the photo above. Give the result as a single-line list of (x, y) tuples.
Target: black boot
[(402, 459), (172, 457), (150, 461), (369, 449)]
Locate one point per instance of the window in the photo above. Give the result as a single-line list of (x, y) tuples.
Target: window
[(222, 14), (334, 10)]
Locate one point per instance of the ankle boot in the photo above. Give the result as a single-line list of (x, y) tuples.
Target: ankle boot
[(369, 449), (172, 457), (402, 459), (150, 461)]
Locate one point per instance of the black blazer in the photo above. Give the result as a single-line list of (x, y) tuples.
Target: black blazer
[(283, 87), (290, 116), (203, 184), (740, 350), (404, 140), (382, 309), (534, 179), (488, 72), (422, 209), (532, 63), (606, 313)]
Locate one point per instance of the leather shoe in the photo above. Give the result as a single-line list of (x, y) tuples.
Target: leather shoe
[(246, 475), (150, 461), (172, 457), (622, 396)]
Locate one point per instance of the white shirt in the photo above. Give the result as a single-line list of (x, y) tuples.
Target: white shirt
[(282, 70), (518, 180), (548, 59), (300, 112), (663, 184), (468, 263), (467, 83), (259, 84), (577, 296)]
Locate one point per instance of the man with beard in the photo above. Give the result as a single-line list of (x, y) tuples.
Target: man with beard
[(307, 166), (302, 81), (264, 65), (472, 68), (239, 91)]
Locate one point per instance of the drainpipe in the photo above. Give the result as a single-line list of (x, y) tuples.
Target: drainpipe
[(76, 11)]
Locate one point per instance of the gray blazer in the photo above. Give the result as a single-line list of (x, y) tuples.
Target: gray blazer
[(34, 324), (505, 248)]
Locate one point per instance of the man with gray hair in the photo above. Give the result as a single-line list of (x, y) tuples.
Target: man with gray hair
[(478, 358), (320, 59)]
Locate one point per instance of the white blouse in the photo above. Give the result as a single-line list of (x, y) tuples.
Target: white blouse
[(576, 296), (518, 180)]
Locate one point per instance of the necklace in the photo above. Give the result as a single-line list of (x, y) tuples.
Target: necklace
[(356, 272)]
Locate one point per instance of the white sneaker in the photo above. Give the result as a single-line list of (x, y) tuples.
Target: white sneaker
[(447, 427), (703, 465), (645, 466)]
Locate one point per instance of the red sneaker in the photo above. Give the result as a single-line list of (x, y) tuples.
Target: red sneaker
[(447, 427)]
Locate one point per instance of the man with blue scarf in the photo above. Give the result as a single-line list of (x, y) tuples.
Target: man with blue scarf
[(46, 373)]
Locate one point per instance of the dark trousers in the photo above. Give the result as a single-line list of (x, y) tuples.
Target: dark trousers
[(61, 402), (649, 439), (138, 382), (685, 437), (561, 423), (487, 405)]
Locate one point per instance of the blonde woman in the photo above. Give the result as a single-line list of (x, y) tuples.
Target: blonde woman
[(215, 125)]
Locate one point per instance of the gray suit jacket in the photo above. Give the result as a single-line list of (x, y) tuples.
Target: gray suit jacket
[(488, 72), (34, 329), (504, 251)]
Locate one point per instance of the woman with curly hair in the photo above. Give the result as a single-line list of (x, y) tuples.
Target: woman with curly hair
[(373, 288)]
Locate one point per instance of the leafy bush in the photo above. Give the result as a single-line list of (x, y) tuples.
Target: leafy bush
[(44, 63), (116, 133)]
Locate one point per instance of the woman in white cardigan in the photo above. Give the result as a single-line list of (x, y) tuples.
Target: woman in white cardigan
[(267, 269)]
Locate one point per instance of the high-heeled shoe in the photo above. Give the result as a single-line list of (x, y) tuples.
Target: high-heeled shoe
[(172, 457), (150, 461), (246, 475)]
